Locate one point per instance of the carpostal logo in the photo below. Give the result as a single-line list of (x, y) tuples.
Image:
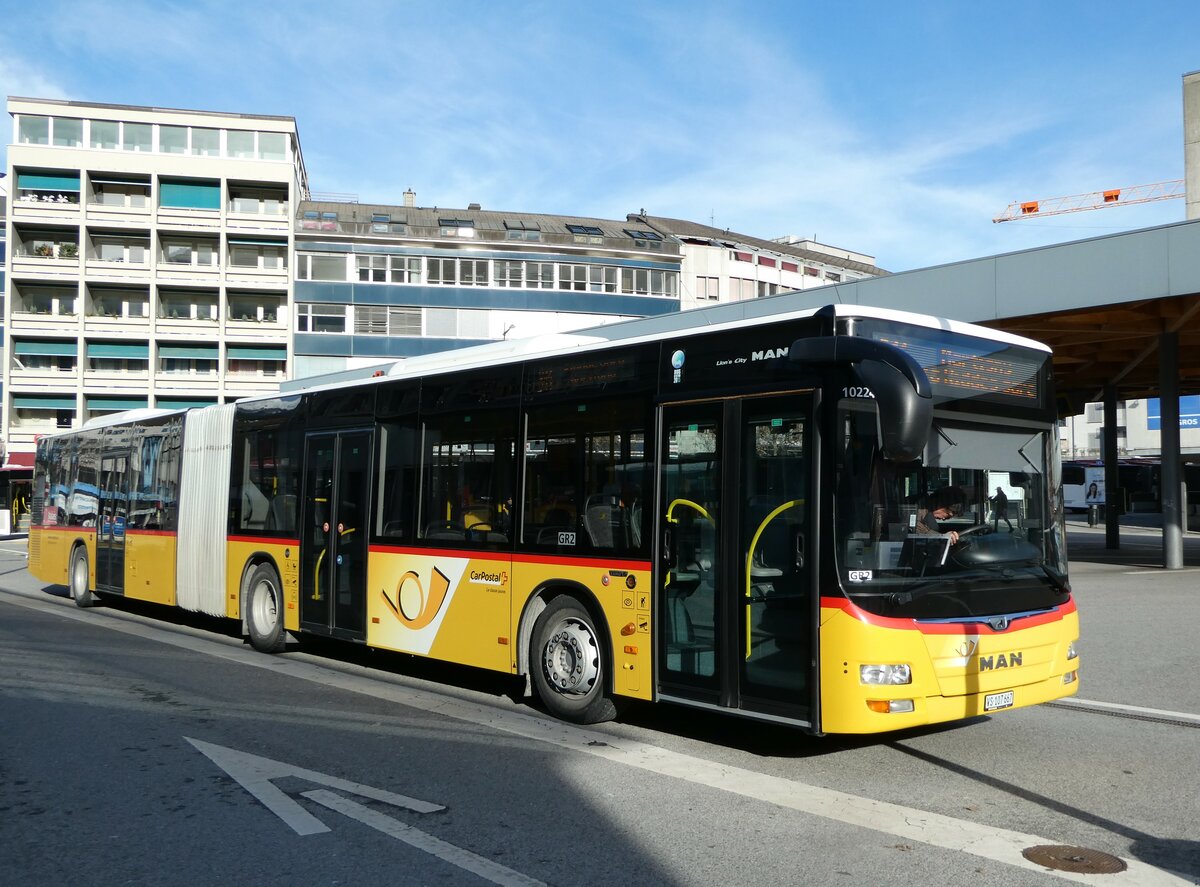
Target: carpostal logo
[(412, 603), (487, 577)]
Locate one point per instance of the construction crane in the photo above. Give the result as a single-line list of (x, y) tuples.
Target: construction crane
[(1078, 203)]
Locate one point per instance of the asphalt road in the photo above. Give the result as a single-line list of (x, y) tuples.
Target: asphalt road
[(144, 747)]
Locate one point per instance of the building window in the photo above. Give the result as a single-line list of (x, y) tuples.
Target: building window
[(120, 250), (640, 234), (206, 142), (173, 139), (372, 269), (791, 266), (809, 271), (33, 130), (272, 146), (104, 134), (766, 261), (443, 271), (320, 318), (48, 301), (187, 305), (836, 278), (586, 233), (521, 230), (572, 277), (254, 308), (473, 272), (602, 279), (767, 289), (116, 193), (257, 202), (456, 227), (68, 132), (406, 269), (539, 275), (510, 274), (239, 144), (707, 289), (196, 253), (740, 288), (120, 303), (741, 257), (137, 137), (320, 267), (257, 256)]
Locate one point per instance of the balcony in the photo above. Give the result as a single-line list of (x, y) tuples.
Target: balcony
[(45, 254), (189, 204), (189, 259), (255, 209), (119, 200), (257, 261), (119, 256), (46, 195), (43, 309)]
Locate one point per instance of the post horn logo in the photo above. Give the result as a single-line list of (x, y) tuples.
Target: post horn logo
[(965, 649), (410, 602)]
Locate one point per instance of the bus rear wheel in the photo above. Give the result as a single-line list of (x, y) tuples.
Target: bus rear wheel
[(264, 610), (79, 578), (568, 664)]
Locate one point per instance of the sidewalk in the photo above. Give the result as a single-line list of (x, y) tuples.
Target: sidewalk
[(1141, 542)]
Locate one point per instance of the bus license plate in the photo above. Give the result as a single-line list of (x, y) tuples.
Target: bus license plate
[(997, 701)]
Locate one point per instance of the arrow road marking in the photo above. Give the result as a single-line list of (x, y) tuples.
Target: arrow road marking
[(254, 774), (464, 859)]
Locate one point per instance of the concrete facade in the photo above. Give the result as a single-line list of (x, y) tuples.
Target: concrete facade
[(149, 260)]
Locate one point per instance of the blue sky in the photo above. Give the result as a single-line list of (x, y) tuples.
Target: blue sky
[(894, 129)]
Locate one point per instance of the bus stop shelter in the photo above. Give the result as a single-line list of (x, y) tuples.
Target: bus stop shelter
[(1122, 313)]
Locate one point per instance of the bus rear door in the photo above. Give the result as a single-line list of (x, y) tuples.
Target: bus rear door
[(736, 608)]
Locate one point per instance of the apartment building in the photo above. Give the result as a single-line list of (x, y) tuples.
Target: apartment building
[(148, 260), (725, 266), (172, 258), (376, 283)]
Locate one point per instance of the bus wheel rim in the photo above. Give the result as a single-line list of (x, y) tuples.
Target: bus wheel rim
[(265, 610), (79, 578), (572, 658)]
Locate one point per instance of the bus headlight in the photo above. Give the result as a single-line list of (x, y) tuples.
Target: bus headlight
[(885, 674), (1072, 653)]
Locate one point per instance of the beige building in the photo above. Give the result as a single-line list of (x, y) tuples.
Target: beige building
[(148, 260)]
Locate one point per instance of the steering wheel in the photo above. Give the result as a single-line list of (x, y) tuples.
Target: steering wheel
[(977, 530)]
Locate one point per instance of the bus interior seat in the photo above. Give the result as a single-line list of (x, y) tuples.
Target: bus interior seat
[(445, 530), (604, 521)]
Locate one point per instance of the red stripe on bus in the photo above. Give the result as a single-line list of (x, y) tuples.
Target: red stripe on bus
[(262, 540), (64, 528), (598, 562), (902, 623)]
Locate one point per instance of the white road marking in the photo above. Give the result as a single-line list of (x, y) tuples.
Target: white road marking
[(999, 845), (464, 859), (1160, 571), (254, 774), (1130, 709)]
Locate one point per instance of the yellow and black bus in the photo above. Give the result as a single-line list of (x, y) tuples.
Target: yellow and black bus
[(792, 518)]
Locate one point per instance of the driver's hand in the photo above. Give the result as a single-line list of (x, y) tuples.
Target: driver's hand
[(953, 534)]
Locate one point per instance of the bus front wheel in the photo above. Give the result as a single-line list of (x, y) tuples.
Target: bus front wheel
[(568, 664), (264, 610), (79, 578)]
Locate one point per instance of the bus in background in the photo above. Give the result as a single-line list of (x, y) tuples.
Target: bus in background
[(1083, 484), (785, 517)]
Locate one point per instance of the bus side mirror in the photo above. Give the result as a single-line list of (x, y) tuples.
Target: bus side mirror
[(898, 384)]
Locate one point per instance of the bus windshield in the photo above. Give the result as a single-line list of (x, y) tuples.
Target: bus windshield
[(972, 529)]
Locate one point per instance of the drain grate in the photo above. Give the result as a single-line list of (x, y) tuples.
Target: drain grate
[(1074, 859)]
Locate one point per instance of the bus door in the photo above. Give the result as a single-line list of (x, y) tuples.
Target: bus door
[(333, 540), (114, 515), (737, 613)]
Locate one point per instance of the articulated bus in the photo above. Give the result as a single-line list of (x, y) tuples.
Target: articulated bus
[(733, 516)]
